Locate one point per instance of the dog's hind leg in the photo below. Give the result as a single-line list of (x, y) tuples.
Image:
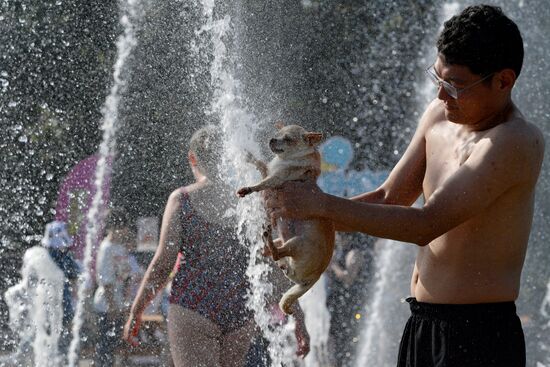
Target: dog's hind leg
[(271, 246), (292, 295)]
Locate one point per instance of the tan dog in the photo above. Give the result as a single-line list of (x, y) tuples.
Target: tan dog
[(304, 248)]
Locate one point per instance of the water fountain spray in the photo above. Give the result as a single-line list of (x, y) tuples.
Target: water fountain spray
[(125, 44), (238, 126)]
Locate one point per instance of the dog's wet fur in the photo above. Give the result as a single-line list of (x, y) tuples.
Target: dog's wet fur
[(304, 249)]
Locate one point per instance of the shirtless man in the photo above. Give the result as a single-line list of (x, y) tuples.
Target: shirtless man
[(476, 161)]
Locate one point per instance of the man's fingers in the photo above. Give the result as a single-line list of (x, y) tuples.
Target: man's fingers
[(266, 251)]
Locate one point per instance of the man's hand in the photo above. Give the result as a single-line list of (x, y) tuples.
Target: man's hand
[(131, 329), (294, 200)]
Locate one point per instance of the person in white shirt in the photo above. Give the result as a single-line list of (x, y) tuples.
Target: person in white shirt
[(112, 276)]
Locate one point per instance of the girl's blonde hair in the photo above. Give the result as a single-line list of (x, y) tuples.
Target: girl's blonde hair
[(206, 145)]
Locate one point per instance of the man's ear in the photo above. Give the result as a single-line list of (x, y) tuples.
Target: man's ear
[(506, 79), (313, 138), (279, 125)]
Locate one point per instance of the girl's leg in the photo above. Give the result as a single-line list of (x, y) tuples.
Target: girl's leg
[(235, 345), (194, 340)]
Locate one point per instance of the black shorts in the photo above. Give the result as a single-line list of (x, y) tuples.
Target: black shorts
[(441, 335)]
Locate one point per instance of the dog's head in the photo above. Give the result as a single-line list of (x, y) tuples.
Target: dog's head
[(293, 139)]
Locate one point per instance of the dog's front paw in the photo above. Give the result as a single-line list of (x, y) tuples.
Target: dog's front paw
[(244, 191)]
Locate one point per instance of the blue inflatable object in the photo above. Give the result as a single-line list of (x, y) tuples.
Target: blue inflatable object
[(337, 151), (336, 179)]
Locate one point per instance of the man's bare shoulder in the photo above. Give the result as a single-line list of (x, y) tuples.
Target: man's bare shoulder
[(525, 135), (434, 114), (523, 139)]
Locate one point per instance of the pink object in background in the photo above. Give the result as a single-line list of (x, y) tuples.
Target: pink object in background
[(74, 200)]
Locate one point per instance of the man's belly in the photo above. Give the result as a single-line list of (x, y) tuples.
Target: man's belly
[(441, 277), (462, 294)]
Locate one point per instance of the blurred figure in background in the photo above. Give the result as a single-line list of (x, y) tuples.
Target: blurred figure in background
[(113, 277), (347, 278), (57, 241), (40, 305)]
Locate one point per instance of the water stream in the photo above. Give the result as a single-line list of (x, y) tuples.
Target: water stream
[(125, 44), (255, 76)]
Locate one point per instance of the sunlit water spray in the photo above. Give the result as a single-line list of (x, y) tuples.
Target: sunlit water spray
[(36, 312), (239, 127), (125, 44)]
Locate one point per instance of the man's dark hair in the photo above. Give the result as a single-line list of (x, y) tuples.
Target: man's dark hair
[(482, 38), (117, 218)]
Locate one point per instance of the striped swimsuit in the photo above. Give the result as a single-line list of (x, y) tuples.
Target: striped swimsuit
[(211, 277)]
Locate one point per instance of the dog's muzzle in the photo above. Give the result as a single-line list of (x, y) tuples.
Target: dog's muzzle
[(274, 146)]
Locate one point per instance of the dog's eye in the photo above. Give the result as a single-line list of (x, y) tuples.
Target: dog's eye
[(288, 139)]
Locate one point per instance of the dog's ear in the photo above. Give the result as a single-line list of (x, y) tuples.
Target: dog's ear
[(279, 125), (313, 138)]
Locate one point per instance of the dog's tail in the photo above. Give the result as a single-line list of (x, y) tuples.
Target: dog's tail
[(292, 295)]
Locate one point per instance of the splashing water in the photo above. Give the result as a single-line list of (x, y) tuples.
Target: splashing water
[(125, 45), (238, 127), (384, 321), (317, 320), (36, 312)]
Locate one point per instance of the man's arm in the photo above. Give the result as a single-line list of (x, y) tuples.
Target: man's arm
[(404, 184), (507, 157), (503, 160)]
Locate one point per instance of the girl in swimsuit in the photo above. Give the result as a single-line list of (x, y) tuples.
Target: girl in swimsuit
[(209, 323)]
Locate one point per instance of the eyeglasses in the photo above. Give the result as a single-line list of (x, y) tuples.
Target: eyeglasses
[(451, 90)]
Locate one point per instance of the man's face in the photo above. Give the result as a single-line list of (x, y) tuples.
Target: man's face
[(474, 104)]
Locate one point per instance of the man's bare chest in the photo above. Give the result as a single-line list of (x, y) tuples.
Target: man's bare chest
[(447, 149)]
